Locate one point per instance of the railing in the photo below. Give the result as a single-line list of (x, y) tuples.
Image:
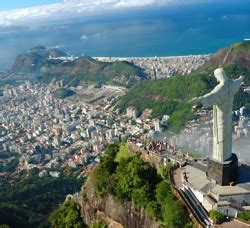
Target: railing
[(198, 218)]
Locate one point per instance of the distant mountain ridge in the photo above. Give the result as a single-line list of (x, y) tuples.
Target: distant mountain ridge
[(237, 54), (30, 60), (53, 64)]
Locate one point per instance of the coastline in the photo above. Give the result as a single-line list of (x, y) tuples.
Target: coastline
[(163, 66), (100, 58)]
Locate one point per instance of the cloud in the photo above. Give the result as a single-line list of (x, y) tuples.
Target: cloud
[(225, 17), (84, 37), (74, 8)]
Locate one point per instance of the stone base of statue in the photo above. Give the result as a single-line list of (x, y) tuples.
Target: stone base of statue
[(223, 173)]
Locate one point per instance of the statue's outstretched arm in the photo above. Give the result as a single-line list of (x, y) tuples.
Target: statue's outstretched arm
[(241, 80), (209, 99), (237, 83)]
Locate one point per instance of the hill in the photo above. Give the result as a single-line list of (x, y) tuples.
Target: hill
[(236, 54), (171, 95), (46, 64), (125, 189)]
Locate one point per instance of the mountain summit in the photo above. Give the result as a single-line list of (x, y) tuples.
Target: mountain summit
[(53, 64)]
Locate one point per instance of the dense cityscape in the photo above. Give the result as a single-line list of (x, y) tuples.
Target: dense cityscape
[(50, 133), (162, 67)]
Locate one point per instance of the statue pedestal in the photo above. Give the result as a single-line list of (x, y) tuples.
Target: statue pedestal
[(223, 173)]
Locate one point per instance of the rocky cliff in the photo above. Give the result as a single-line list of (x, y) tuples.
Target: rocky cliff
[(110, 211)]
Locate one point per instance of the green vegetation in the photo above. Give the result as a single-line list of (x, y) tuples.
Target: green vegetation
[(98, 225), (129, 178), (63, 92), (11, 166), (170, 96), (67, 215), (18, 207), (245, 215), (14, 217), (123, 153), (164, 171), (87, 69), (28, 63), (237, 54), (73, 73), (13, 161), (216, 216), (123, 68), (4, 226)]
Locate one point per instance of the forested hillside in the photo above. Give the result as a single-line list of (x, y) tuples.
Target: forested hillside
[(171, 95)]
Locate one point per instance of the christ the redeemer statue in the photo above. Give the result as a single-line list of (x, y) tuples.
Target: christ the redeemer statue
[(221, 98)]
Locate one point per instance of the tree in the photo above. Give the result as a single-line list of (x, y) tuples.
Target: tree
[(129, 178), (153, 209), (172, 211), (245, 215), (67, 215), (216, 216), (141, 196), (107, 161), (135, 177), (162, 192), (163, 170), (98, 224), (102, 177)]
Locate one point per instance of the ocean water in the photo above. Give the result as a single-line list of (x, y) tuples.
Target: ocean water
[(166, 31)]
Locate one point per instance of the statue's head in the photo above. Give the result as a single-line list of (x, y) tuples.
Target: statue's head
[(220, 75)]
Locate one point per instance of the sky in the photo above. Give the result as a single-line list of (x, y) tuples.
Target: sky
[(17, 4), (102, 27), (23, 12)]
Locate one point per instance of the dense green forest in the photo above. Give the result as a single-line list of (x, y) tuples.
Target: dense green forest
[(67, 215), (129, 178), (28, 202)]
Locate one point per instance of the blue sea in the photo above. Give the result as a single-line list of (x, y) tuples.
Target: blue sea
[(159, 31)]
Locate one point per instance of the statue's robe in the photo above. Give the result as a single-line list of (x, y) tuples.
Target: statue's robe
[(221, 98)]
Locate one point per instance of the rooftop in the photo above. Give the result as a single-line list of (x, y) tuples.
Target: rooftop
[(196, 176), (229, 190)]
